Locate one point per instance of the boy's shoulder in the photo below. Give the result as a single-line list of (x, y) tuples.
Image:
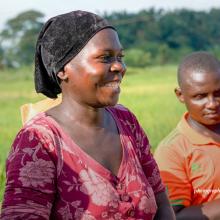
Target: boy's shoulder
[(177, 139), (171, 138)]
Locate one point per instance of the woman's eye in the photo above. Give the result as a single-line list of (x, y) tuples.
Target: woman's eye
[(106, 58), (120, 57), (111, 58)]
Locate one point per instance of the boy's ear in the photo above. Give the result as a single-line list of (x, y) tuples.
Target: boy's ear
[(179, 94)]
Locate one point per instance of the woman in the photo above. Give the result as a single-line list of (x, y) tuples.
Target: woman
[(86, 158)]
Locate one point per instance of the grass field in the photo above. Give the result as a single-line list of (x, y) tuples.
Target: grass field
[(147, 92)]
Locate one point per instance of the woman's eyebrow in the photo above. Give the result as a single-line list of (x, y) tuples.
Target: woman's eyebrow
[(110, 50)]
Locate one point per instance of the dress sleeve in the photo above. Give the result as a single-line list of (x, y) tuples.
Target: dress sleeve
[(173, 172), (30, 178)]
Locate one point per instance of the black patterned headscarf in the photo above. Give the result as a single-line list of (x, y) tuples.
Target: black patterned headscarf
[(62, 38)]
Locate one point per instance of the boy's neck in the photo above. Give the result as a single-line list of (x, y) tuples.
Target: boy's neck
[(212, 131)]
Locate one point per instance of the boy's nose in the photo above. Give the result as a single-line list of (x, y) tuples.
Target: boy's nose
[(213, 103)]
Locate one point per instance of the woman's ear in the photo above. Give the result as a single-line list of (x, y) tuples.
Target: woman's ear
[(179, 94), (62, 74)]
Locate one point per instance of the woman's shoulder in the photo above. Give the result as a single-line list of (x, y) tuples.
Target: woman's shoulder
[(39, 125), (38, 120), (125, 117), (121, 111)]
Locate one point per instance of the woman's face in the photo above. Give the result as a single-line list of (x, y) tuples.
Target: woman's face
[(95, 74)]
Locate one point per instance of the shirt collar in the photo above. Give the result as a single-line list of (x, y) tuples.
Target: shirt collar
[(194, 136)]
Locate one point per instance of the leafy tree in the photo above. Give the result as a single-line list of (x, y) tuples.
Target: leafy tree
[(137, 58), (148, 36), (18, 38), (1, 58)]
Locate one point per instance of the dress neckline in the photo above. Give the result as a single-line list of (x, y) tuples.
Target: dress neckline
[(98, 167)]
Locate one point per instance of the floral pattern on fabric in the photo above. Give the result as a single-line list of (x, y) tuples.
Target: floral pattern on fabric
[(39, 168), (100, 191), (49, 177)]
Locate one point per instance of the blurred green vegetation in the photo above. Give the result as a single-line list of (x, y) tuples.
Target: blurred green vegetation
[(148, 92), (150, 37)]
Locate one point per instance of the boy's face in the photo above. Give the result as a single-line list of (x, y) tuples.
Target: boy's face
[(200, 92)]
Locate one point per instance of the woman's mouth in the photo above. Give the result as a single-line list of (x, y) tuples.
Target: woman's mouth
[(114, 85)]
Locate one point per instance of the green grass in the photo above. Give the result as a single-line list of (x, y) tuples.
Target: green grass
[(16, 88), (147, 92)]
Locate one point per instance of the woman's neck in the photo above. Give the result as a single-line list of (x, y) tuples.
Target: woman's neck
[(71, 111)]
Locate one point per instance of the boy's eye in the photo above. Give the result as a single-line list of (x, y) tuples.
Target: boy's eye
[(217, 93), (200, 96)]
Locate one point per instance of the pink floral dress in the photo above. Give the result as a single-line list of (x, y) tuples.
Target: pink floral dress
[(50, 177)]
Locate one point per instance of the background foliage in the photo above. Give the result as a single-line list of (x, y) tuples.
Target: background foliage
[(154, 41), (150, 37), (148, 92)]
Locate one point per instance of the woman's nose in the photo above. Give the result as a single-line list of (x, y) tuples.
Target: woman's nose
[(118, 66)]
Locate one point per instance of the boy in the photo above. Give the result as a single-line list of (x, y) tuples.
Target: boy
[(189, 157)]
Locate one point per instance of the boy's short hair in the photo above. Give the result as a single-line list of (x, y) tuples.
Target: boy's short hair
[(197, 61)]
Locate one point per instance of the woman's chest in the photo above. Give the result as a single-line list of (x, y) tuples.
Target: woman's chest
[(102, 193)]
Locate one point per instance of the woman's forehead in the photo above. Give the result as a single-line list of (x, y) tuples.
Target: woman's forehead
[(106, 39)]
